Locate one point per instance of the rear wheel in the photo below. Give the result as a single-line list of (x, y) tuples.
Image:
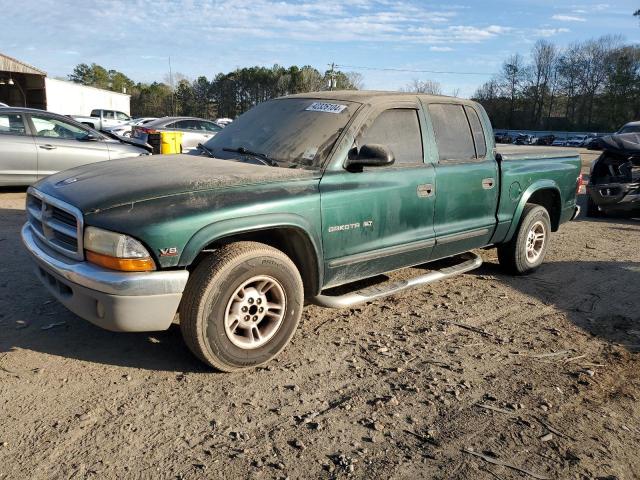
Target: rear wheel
[(242, 306), (525, 252)]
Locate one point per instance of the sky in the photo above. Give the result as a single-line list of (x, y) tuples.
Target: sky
[(395, 40)]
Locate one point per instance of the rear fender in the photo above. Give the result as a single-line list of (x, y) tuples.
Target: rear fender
[(528, 193)]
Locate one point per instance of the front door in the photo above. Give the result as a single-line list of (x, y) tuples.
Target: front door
[(381, 218), (62, 145), (466, 180)]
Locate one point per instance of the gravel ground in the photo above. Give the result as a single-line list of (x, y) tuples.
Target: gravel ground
[(481, 376)]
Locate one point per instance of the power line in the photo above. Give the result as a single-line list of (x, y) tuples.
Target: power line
[(356, 67)]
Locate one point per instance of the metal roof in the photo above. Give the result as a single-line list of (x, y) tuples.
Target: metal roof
[(10, 64), (374, 96)]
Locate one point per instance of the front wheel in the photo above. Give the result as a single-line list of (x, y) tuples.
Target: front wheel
[(242, 305), (525, 252)]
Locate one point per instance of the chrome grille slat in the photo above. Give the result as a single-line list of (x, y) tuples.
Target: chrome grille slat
[(57, 224)]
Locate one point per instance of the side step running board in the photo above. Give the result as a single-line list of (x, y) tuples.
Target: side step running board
[(468, 261)]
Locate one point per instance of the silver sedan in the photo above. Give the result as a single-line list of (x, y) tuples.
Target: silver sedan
[(194, 130), (35, 143)]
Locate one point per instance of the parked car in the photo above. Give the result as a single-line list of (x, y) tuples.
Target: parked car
[(614, 181), (35, 143), (223, 122), (631, 127), (126, 129), (576, 141), (298, 195), (194, 130), (594, 143), (103, 119), (503, 137), (559, 142), (525, 139), (546, 140)]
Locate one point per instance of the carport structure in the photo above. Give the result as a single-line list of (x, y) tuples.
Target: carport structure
[(21, 85)]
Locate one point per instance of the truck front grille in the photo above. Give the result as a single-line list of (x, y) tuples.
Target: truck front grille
[(56, 223)]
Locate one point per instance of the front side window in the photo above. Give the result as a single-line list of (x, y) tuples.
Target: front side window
[(12, 124), (122, 116), (399, 130), (452, 131), (55, 128)]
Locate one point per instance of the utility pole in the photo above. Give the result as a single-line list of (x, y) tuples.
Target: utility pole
[(173, 107), (332, 76)]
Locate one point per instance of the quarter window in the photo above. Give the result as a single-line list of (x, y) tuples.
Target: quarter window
[(453, 135), (12, 124), (399, 130), (476, 130)]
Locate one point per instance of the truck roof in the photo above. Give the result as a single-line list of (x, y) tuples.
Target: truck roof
[(375, 96)]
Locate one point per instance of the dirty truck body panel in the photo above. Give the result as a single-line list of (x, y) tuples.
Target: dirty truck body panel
[(442, 196)]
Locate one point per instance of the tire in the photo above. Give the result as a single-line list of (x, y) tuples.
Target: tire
[(217, 321), (592, 209), (515, 256)]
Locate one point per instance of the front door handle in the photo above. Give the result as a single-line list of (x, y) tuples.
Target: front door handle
[(48, 147), (488, 183)]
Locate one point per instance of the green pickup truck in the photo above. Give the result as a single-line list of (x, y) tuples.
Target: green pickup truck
[(297, 196)]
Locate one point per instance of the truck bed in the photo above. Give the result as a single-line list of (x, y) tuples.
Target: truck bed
[(526, 152)]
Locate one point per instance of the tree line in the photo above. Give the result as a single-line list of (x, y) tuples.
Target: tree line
[(225, 95), (589, 86)]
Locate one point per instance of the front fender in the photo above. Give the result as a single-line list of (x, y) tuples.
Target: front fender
[(253, 223), (526, 195)]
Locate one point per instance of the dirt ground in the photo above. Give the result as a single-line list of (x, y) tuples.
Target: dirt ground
[(481, 376)]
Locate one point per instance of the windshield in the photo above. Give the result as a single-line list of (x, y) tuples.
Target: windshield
[(630, 129), (294, 132)]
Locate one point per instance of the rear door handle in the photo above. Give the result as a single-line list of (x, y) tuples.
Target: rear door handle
[(425, 190), (48, 147), (488, 183)]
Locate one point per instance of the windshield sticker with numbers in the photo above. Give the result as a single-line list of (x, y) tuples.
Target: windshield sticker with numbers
[(325, 107)]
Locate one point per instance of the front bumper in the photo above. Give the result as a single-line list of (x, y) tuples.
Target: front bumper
[(117, 301), (615, 196)]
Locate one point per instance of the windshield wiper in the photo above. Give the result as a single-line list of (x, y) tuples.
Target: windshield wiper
[(261, 156), (206, 150)]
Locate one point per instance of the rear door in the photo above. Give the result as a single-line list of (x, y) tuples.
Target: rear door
[(192, 134), (109, 119), (466, 193), (381, 218), (62, 145), (18, 155)]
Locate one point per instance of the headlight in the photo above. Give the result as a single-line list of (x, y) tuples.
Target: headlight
[(116, 251)]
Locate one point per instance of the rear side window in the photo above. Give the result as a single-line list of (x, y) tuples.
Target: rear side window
[(476, 130), (399, 130), (109, 115), (12, 124), (453, 135)]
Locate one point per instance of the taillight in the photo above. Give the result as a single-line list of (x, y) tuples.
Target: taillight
[(147, 130), (579, 184)]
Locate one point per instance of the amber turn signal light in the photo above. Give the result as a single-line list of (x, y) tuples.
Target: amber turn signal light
[(121, 264)]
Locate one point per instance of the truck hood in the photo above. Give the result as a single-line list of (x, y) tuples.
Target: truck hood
[(103, 185)]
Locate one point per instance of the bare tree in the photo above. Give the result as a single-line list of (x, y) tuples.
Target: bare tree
[(543, 57), (513, 73), (428, 87)]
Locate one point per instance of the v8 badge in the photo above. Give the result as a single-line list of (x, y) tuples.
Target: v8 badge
[(169, 252)]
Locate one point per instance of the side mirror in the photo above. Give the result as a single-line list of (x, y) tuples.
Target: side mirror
[(371, 155)]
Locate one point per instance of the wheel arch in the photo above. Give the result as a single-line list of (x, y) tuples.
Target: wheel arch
[(288, 233), (545, 193)]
